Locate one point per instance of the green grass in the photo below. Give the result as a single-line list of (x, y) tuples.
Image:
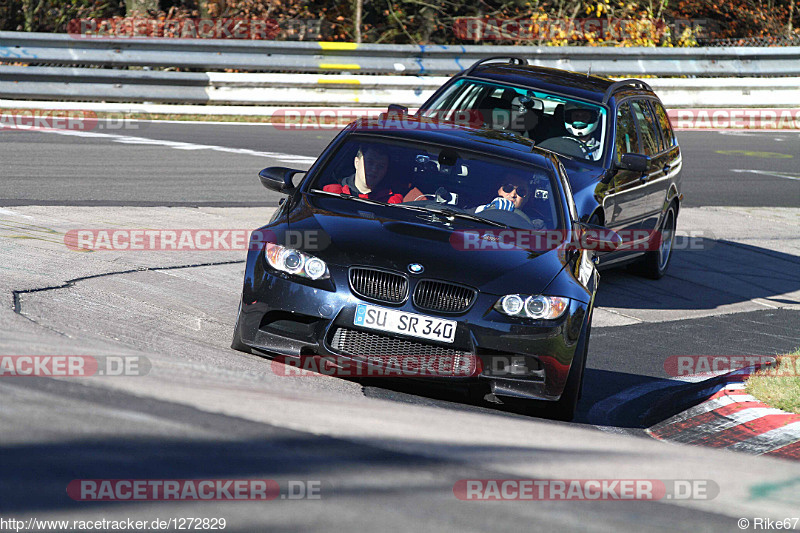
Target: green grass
[(779, 385), (164, 116), (206, 118), (278, 119)]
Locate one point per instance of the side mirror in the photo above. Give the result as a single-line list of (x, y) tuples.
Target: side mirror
[(608, 175), (395, 112), (635, 162), (598, 238), (279, 179), (397, 109)]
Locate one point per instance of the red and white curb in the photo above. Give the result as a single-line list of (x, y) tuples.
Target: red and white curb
[(735, 420)]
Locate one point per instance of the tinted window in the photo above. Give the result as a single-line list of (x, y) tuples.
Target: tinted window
[(650, 114), (666, 128), (647, 128), (401, 174), (627, 140), (462, 96), (550, 120)]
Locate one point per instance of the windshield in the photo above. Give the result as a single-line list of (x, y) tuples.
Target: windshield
[(569, 127), (459, 183)]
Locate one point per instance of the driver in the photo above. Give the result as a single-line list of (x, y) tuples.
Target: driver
[(581, 122), (371, 166)]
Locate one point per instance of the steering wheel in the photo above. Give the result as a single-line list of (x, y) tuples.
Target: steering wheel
[(584, 147), (566, 145)]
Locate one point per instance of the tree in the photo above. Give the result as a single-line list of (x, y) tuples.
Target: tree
[(359, 12), (140, 8)]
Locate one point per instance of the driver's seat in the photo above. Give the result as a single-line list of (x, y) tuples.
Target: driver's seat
[(557, 127)]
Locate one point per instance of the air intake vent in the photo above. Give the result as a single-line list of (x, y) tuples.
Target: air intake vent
[(379, 285), (361, 343), (443, 297)]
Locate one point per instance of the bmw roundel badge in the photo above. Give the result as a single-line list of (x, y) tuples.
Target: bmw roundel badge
[(415, 268)]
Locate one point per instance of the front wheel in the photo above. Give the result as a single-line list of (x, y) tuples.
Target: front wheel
[(566, 406), (655, 262), (564, 409), (236, 341)]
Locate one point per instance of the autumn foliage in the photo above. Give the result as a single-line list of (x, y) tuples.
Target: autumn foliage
[(643, 22)]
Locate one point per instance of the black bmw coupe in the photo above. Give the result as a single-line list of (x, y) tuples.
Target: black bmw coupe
[(416, 240)]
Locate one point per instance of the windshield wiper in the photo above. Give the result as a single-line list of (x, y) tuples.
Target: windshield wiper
[(452, 214), (468, 216), (444, 211)]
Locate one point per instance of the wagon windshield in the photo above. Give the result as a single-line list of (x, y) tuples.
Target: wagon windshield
[(568, 127), (439, 178)]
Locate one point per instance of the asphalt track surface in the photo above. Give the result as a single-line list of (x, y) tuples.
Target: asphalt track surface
[(115, 167), (54, 431)]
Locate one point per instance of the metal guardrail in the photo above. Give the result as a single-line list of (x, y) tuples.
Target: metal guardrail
[(207, 54), (60, 83), (281, 89), (127, 71)]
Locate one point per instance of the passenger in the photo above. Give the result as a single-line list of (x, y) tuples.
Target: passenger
[(512, 194), (371, 166)]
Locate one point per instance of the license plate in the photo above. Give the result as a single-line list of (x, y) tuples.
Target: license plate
[(394, 321)]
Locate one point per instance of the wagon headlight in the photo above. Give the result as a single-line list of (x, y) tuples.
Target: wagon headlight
[(295, 262), (520, 305)]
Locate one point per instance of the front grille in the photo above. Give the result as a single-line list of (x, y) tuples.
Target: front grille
[(442, 296), (379, 285), (355, 342)]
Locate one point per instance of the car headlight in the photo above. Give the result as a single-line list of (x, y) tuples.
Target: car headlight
[(295, 262), (520, 305)]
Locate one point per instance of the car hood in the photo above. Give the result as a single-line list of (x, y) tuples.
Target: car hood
[(349, 232), (581, 174), (586, 186)]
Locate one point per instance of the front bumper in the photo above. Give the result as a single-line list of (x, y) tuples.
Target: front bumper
[(284, 316)]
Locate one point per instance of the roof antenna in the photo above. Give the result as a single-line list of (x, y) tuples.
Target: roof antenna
[(589, 72)]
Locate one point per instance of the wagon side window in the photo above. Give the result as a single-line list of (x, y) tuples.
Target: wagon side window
[(666, 127), (647, 128), (627, 141)]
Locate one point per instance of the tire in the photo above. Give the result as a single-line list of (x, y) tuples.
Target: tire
[(655, 263), (236, 342), (564, 409)]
